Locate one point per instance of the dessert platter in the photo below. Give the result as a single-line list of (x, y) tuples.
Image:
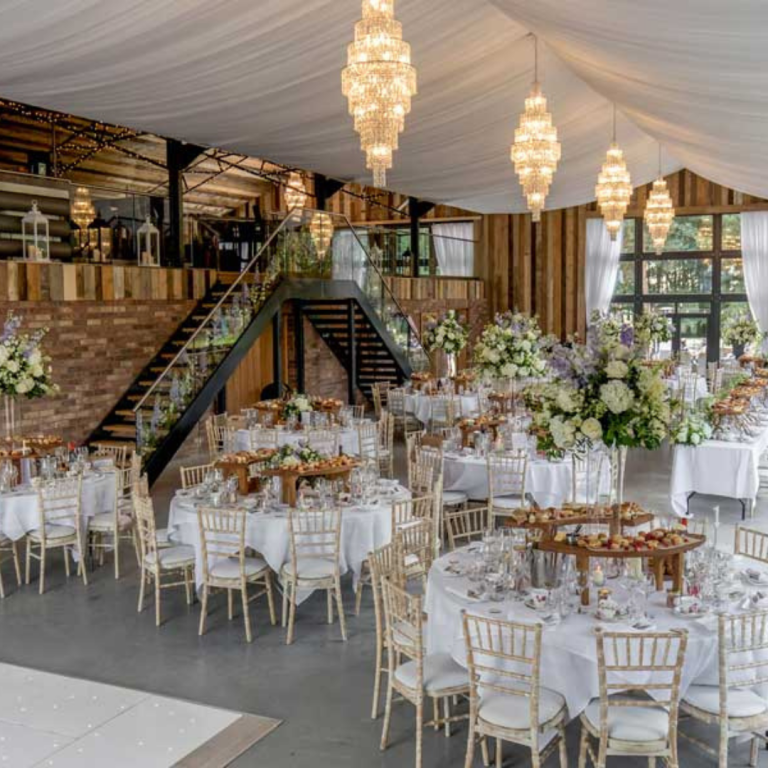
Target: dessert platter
[(241, 465), (291, 474), (631, 515)]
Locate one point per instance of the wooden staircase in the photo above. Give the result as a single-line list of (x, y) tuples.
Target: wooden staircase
[(353, 339)]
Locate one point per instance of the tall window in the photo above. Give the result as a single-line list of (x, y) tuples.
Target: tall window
[(698, 280)]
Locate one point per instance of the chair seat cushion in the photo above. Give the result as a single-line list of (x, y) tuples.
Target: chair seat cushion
[(163, 537), (441, 673), (742, 702), (54, 532), (454, 498), (312, 568), (507, 502), (639, 724), (105, 522), (230, 568), (510, 711), (173, 557)]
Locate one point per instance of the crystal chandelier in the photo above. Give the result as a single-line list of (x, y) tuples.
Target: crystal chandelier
[(321, 232), (295, 191), (614, 186), (659, 212), (83, 212), (535, 151), (379, 82)]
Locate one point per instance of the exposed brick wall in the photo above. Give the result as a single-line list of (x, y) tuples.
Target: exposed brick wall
[(97, 349)]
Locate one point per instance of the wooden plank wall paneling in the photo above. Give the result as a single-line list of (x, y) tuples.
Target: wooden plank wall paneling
[(252, 375), (540, 269), (22, 281)]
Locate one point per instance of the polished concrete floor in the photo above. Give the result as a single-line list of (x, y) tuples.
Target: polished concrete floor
[(320, 686)]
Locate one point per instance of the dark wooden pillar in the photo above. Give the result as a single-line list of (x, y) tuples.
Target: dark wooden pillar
[(352, 356), (178, 156), (298, 333), (413, 214), (277, 350)]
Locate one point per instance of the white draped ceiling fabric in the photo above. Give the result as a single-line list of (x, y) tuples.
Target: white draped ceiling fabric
[(754, 251), (263, 78)]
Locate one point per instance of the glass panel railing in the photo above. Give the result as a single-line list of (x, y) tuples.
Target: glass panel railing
[(307, 244)]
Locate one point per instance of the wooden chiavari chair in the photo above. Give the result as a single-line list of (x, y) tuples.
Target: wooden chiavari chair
[(464, 526), (9, 546), (59, 509), (386, 426), (176, 562), (262, 438), (369, 442), (413, 673), (506, 699), (324, 441), (444, 410), (358, 412), (647, 665), (407, 512), (225, 565), (192, 476), (736, 705), (217, 438), (118, 524), (385, 563), (419, 546), (315, 537), (751, 543), (506, 483), (118, 453), (405, 422)]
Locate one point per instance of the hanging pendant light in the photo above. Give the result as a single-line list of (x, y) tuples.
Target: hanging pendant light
[(82, 213), (535, 151), (295, 193), (659, 212), (321, 232), (614, 186), (379, 82)]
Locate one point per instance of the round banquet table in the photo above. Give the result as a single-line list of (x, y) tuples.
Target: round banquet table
[(420, 405), (19, 510), (569, 653), (549, 482), (348, 439), (363, 529)]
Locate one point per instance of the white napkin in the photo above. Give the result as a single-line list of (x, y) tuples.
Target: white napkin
[(462, 593)]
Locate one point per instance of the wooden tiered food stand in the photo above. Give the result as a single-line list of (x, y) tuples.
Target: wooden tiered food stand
[(239, 464), (291, 476), (663, 557), (469, 427)]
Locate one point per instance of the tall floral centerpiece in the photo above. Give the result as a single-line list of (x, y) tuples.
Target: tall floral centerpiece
[(651, 330), (740, 333), (603, 393), (450, 337), (511, 348), (25, 370)]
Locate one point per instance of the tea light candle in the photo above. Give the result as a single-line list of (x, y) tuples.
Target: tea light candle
[(598, 577)]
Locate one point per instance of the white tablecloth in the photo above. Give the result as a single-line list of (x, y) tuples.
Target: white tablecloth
[(420, 405), (717, 468), (569, 653), (348, 439), (549, 482), (363, 529), (19, 510)]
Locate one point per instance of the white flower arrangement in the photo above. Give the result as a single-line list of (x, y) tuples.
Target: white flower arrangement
[(652, 328), (24, 368), (449, 335), (602, 392), (297, 405), (694, 429), (510, 348), (742, 331)]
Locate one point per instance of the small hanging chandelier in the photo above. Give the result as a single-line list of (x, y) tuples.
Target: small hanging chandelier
[(659, 212), (535, 151), (295, 193), (614, 186), (379, 82), (321, 232), (83, 212)]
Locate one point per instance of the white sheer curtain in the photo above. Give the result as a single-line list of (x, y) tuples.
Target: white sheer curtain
[(455, 248), (349, 258), (602, 266), (754, 255)]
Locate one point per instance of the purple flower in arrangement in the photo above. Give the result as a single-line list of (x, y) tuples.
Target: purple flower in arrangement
[(11, 326), (627, 335)]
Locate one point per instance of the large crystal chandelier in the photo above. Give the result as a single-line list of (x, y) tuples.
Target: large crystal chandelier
[(614, 186), (379, 82), (536, 150), (321, 232), (83, 212), (659, 212), (295, 192)]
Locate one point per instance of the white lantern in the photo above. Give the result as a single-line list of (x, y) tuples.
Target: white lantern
[(36, 241), (148, 242)]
